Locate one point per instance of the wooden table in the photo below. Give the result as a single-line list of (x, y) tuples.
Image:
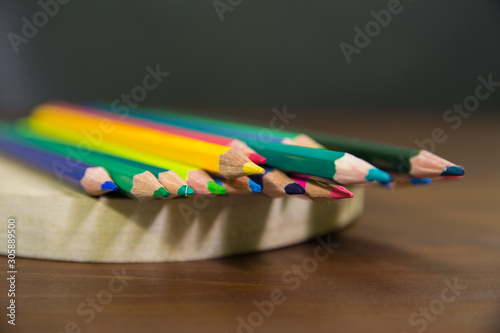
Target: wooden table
[(391, 272)]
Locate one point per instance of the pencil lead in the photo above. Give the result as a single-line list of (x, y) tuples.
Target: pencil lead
[(340, 192), (423, 181), (254, 187), (294, 188), (256, 158), (215, 188), (161, 193), (108, 186), (453, 170), (379, 176), (252, 169), (185, 190)]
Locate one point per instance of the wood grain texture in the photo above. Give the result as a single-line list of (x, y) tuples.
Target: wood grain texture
[(392, 262)]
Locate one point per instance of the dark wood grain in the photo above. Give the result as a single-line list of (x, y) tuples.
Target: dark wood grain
[(390, 263)]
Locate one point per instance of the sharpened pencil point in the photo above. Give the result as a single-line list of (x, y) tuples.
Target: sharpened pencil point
[(254, 187), (340, 192), (453, 170), (418, 181), (215, 188), (294, 188), (378, 175), (108, 186), (185, 190), (161, 193), (252, 169), (257, 159)]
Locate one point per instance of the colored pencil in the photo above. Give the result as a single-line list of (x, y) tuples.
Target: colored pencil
[(238, 186), (417, 163), (276, 184), (131, 181), (343, 168), (93, 180), (318, 191), (197, 179), (198, 135), (219, 159)]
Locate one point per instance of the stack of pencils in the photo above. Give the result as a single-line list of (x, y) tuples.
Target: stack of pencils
[(148, 154)]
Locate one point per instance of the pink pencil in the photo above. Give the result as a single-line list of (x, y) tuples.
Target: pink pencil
[(212, 138)]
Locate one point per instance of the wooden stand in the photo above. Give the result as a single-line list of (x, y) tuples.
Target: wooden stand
[(54, 221)]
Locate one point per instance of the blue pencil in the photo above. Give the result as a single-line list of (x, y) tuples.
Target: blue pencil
[(94, 180)]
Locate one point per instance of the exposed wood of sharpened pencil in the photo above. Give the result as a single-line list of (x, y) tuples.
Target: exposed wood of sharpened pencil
[(276, 184), (131, 181), (216, 158)]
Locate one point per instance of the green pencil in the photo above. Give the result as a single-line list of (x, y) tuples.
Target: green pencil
[(343, 168), (131, 180)]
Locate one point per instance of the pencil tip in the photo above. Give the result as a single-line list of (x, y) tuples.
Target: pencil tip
[(423, 181), (257, 159), (215, 188), (379, 176), (453, 170), (294, 188), (185, 190), (108, 186), (254, 187), (161, 193), (340, 192), (252, 169)]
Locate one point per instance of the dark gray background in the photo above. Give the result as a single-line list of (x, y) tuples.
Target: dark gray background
[(264, 54)]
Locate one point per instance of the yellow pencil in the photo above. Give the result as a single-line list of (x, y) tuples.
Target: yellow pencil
[(211, 157)]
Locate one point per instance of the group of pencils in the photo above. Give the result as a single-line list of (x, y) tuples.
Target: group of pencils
[(147, 153)]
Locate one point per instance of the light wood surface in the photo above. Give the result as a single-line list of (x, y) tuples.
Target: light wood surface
[(393, 261)]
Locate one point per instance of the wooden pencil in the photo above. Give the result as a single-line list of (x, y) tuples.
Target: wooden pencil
[(197, 179), (238, 186), (93, 180), (198, 135), (343, 168), (222, 160), (417, 163), (131, 181), (318, 191), (276, 184)]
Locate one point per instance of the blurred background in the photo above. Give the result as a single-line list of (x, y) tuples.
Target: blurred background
[(249, 54)]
